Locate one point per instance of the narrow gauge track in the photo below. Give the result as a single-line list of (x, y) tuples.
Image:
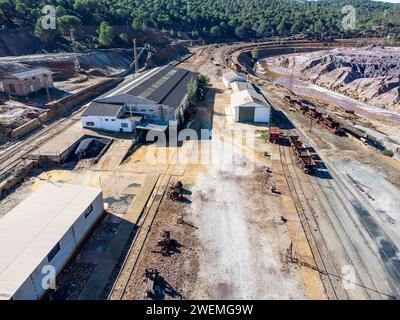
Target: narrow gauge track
[(350, 251), (378, 285), (363, 268), (373, 289), (319, 248), (22, 149), (120, 289)]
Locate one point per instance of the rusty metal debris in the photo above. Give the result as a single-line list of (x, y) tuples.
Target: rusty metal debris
[(165, 243), (176, 191), (311, 110), (303, 155), (151, 282), (275, 190)]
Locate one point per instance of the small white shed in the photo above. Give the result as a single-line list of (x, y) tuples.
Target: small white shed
[(250, 106), (231, 76)]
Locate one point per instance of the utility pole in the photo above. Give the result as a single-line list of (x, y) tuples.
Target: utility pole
[(311, 123), (135, 55), (291, 71)]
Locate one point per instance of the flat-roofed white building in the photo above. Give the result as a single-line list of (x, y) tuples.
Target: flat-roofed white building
[(231, 76), (250, 106), (44, 230)]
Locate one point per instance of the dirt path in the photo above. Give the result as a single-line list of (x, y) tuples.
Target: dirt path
[(241, 239)]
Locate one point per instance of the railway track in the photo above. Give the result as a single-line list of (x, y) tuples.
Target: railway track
[(319, 248), (120, 290), (365, 261), (14, 154), (11, 159), (369, 281), (366, 270), (121, 287)]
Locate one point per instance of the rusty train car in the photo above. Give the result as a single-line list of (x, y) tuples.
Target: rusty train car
[(303, 155)]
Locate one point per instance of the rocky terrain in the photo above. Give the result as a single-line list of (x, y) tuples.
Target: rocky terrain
[(369, 74)]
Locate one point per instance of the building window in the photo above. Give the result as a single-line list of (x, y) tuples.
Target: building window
[(90, 124), (53, 252), (88, 210), (124, 125)]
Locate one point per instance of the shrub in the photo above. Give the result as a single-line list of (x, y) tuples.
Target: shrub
[(388, 153)]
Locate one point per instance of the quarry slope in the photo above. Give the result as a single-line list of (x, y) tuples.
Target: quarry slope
[(369, 74)]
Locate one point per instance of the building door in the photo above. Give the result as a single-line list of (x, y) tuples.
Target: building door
[(246, 114)]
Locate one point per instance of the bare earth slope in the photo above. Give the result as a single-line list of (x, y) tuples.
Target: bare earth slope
[(370, 74)]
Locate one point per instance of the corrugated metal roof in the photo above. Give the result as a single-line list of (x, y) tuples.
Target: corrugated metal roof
[(175, 97), (167, 86), (30, 230), (30, 73), (102, 109), (247, 96)]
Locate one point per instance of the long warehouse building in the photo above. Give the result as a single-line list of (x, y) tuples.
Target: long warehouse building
[(41, 234), (158, 99)]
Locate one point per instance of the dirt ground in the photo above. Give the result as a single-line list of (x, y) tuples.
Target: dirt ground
[(232, 244)]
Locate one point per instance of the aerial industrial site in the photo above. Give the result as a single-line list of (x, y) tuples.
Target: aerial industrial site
[(172, 166)]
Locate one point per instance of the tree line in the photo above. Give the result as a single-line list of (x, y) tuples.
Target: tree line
[(199, 18)]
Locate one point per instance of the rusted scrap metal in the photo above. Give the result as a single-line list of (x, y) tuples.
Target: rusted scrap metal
[(176, 191), (274, 133), (310, 109), (165, 243), (275, 190), (151, 276), (303, 155)]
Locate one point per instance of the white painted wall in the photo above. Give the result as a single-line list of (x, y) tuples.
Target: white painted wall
[(83, 225), (108, 123), (32, 288), (149, 111), (26, 291), (262, 115)]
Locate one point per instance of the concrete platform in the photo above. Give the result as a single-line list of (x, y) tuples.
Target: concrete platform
[(57, 149)]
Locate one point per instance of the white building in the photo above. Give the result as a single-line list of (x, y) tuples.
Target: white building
[(231, 76), (110, 117), (250, 106), (24, 82), (44, 230), (158, 99)]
